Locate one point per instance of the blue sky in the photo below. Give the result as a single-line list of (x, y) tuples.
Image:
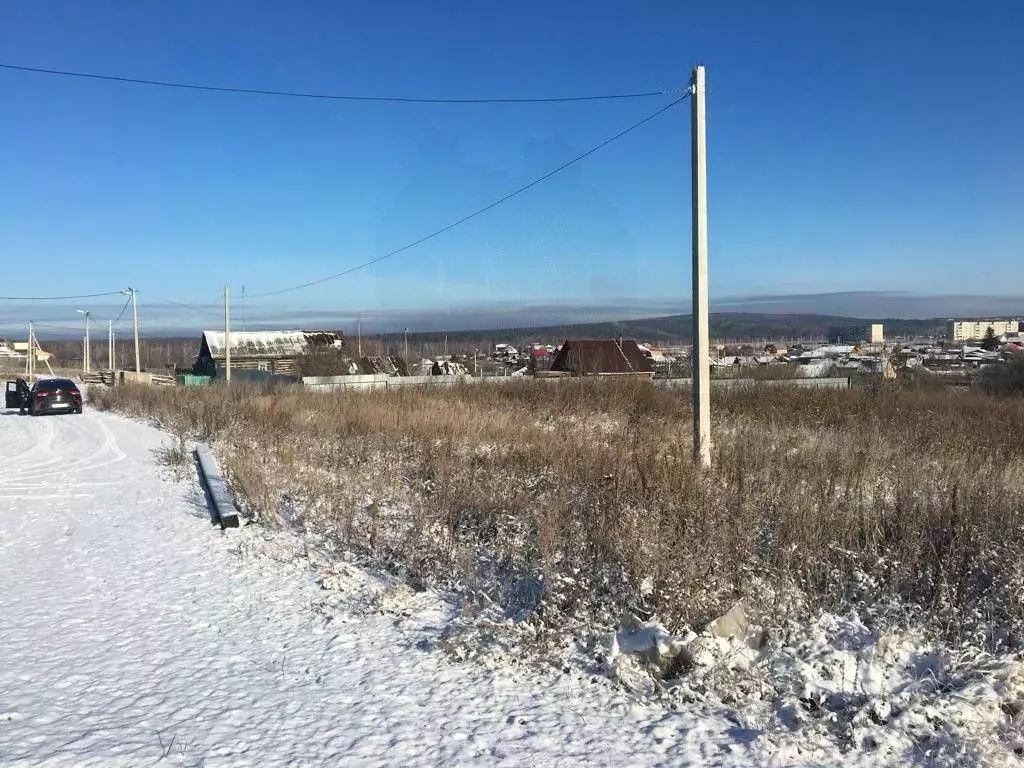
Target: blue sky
[(869, 146)]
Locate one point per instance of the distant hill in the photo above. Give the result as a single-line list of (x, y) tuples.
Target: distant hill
[(725, 326)]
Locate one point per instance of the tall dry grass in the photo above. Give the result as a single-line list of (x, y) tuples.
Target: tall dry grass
[(580, 498)]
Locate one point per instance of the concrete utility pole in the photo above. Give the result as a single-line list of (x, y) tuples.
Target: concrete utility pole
[(85, 342), (135, 322), (29, 367), (700, 358), (407, 346), (359, 338), (110, 346), (227, 334)]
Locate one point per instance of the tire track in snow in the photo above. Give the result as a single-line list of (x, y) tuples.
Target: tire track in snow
[(12, 463), (25, 465), (29, 477), (50, 489)]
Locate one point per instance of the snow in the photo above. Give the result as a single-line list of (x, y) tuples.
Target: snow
[(257, 342), (817, 369), (135, 633)]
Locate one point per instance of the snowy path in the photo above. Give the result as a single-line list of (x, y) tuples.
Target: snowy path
[(133, 633)]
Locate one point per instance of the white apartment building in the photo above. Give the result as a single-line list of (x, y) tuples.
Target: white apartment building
[(972, 330)]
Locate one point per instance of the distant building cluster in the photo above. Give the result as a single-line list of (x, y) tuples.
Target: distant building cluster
[(9, 353), (854, 350), (17, 351), (972, 330)]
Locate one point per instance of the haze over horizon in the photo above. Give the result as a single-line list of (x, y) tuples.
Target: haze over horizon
[(162, 319)]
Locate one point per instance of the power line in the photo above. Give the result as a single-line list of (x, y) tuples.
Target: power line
[(333, 97), (58, 298), (183, 306), (47, 326), (123, 310), (476, 213)]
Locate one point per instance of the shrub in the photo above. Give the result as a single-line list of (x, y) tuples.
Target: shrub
[(1004, 378), (573, 499)]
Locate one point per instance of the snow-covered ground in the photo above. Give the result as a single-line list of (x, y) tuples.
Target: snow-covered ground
[(132, 633)]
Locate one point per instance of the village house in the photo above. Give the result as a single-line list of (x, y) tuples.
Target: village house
[(602, 357), (276, 352), (6, 353)]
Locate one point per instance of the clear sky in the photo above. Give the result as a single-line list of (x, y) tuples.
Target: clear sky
[(851, 146)]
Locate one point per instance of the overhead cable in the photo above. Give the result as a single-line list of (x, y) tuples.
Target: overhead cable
[(183, 306), (475, 213), (58, 298), (48, 326), (123, 310), (335, 96)]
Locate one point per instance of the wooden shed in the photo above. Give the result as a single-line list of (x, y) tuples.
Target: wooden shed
[(270, 351)]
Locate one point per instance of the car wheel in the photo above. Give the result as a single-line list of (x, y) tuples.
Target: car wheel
[(78, 410)]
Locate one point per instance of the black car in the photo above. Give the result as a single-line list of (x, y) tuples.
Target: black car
[(45, 396)]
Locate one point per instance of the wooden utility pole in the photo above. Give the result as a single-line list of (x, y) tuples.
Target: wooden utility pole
[(227, 334), (700, 358)]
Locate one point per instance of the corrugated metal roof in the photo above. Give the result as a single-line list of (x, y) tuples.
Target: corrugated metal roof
[(392, 366), (269, 344)]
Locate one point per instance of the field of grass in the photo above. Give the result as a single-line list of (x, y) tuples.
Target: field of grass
[(573, 502)]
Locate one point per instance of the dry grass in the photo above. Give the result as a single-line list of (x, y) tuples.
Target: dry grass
[(579, 499), (10, 370)]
